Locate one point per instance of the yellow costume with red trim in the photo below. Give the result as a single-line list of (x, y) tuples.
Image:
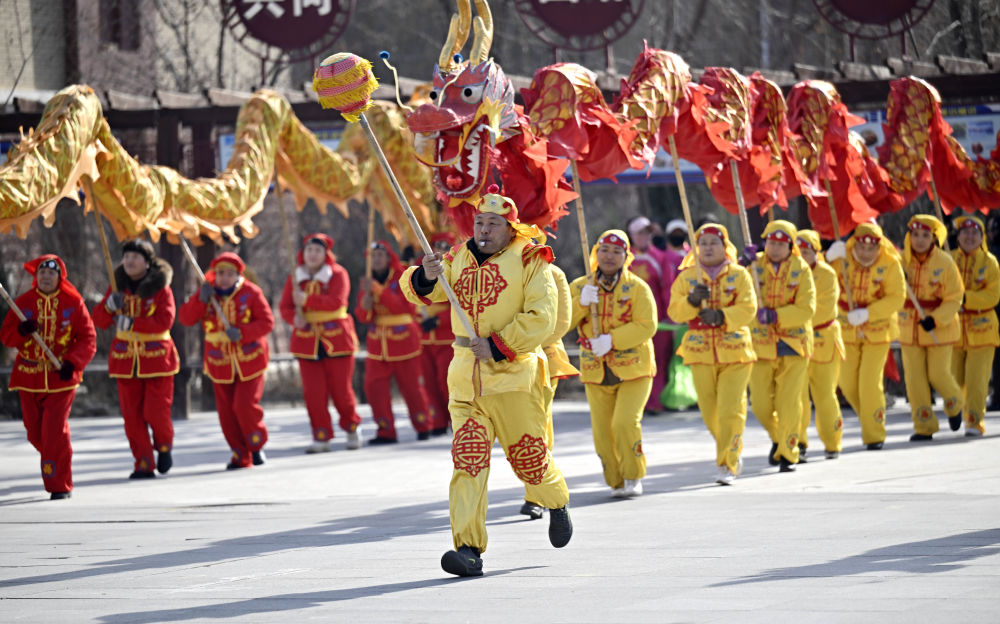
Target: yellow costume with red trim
[(617, 383), (783, 346), (720, 357), (555, 351), (937, 285)]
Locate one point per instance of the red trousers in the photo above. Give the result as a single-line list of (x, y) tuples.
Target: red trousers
[(145, 405), (241, 416), (434, 363), (378, 389), (46, 419), (326, 379), (663, 350)]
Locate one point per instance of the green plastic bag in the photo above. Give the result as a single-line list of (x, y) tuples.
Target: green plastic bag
[(679, 392)]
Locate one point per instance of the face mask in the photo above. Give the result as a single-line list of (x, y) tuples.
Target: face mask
[(677, 239)]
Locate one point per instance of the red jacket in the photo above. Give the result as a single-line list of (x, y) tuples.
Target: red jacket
[(66, 326), (393, 333), (147, 349), (326, 310), (247, 310)]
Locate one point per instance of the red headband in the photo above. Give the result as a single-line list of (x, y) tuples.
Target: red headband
[(868, 238), (917, 225), (613, 239), (803, 243), (968, 223), (780, 236), (713, 231)]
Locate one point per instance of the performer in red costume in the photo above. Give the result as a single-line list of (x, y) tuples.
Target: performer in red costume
[(55, 310), (143, 358), (236, 355), (393, 342), (435, 342), (323, 340)]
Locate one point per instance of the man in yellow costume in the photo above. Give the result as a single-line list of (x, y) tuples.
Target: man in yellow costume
[(972, 358), (927, 339), (783, 340), (828, 352), (498, 379), (715, 297), (616, 358), (872, 290)]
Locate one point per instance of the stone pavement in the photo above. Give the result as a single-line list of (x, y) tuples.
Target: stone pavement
[(910, 533)]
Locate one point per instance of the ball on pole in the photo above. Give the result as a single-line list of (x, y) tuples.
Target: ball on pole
[(345, 82)]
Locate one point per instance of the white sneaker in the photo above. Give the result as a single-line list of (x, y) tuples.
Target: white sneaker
[(633, 487), (318, 446), (725, 476), (973, 433), (354, 439), (618, 492)]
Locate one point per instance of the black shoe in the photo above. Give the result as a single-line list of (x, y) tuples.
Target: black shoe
[(785, 466), (440, 431), (462, 562), (832, 454), (955, 422), (234, 465), (423, 435), (803, 449), (532, 510), (164, 461), (875, 446), (919, 437), (377, 441), (142, 474), (770, 457), (560, 527), (60, 495), (258, 457)]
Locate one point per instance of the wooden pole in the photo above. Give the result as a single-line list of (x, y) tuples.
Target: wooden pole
[(286, 232), (836, 234), (937, 207), (371, 239), (414, 224), (744, 224), (89, 189), (595, 321), (201, 279), (684, 204), (920, 310), (35, 335)]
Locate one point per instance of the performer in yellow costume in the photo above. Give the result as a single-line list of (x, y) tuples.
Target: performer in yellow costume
[(616, 360), (828, 352), (972, 358), (783, 340), (872, 290), (559, 368), (927, 341), (717, 345), (498, 379)]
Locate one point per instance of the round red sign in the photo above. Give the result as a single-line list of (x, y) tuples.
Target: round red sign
[(296, 27), (579, 24)]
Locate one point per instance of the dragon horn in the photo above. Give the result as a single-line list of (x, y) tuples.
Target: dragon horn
[(483, 40), (458, 34)]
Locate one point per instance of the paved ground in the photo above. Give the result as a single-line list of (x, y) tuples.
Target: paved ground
[(908, 533)]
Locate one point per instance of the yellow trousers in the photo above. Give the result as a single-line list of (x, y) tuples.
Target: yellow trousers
[(776, 400), (924, 367), (822, 387), (548, 396), (861, 382), (616, 421), (517, 420), (722, 399), (972, 369)]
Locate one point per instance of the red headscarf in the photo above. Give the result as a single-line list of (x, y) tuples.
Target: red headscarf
[(226, 257), (64, 284), (318, 238)]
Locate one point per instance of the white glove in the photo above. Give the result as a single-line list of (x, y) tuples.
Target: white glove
[(123, 323), (837, 251), (589, 295), (857, 316), (601, 345)]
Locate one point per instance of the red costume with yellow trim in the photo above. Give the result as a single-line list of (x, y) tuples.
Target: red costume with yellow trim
[(236, 368), (47, 392), (325, 347), (393, 343), (143, 358)]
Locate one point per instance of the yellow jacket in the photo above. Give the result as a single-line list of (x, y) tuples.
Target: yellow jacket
[(789, 292), (559, 364), (628, 313), (827, 341), (510, 298), (732, 292), (881, 288), (981, 278), (938, 287)]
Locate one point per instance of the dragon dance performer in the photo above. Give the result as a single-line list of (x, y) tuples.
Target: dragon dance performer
[(497, 382), (617, 366), (717, 345), (874, 275), (436, 350), (828, 352), (972, 358), (393, 343), (783, 341), (235, 358), (314, 302), (937, 285), (143, 358), (55, 310)]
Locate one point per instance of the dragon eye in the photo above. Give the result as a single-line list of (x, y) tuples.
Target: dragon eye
[(433, 95), (473, 93)]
